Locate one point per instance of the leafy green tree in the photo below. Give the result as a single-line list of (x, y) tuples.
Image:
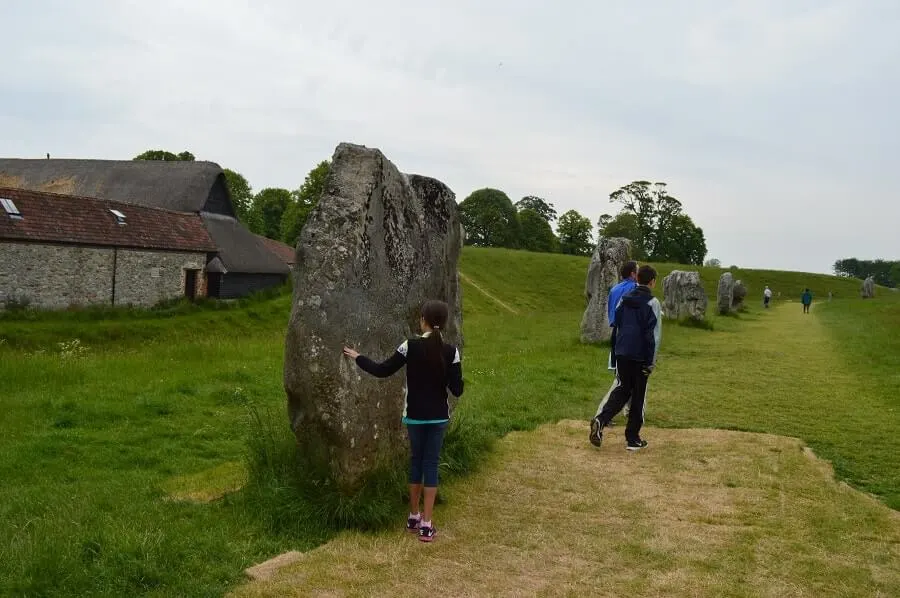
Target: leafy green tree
[(683, 243), (575, 234), (885, 272), (536, 232), (303, 200), (165, 156), (625, 225), (544, 209), (241, 194), (490, 219), (713, 263), (654, 210), (268, 208)]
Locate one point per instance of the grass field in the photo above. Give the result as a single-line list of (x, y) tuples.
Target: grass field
[(96, 441)]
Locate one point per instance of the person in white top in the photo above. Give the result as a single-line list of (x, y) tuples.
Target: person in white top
[(767, 296)]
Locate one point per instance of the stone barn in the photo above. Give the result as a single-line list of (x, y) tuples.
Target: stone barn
[(240, 263), (61, 250)]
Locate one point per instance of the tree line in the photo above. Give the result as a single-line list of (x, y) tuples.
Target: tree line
[(652, 219), (885, 272)]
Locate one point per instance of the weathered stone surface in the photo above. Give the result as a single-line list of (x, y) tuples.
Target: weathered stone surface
[(868, 288), (739, 293), (725, 293), (603, 273), (378, 245), (684, 296)]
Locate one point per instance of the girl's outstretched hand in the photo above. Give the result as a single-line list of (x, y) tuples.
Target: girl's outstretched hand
[(350, 352)]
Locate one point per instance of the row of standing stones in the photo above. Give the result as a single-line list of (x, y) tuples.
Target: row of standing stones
[(378, 245), (683, 294)]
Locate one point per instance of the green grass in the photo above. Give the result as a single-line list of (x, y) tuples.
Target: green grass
[(94, 440)]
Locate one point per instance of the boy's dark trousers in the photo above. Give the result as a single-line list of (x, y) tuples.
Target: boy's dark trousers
[(632, 386)]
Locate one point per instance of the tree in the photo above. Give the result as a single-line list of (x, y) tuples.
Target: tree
[(575, 234), (654, 210), (165, 156), (624, 225), (536, 232), (544, 210), (241, 194), (683, 242), (303, 200), (713, 263), (489, 219), (268, 208)]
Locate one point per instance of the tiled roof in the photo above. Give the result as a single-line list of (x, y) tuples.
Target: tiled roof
[(49, 217), (282, 250)]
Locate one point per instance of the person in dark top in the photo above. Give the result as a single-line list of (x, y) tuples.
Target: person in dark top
[(806, 300), (432, 367), (638, 334)]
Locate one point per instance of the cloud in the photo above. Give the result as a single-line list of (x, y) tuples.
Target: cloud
[(773, 122)]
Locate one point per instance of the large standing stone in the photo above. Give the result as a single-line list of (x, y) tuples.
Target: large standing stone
[(738, 296), (725, 294), (603, 273), (684, 296), (377, 246), (868, 288)]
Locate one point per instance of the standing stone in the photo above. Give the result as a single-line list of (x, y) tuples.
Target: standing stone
[(738, 296), (377, 246), (725, 293), (603, 274), (868, 288), (684, 296)]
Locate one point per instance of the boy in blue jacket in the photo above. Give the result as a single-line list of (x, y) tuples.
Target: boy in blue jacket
[(638, 328)]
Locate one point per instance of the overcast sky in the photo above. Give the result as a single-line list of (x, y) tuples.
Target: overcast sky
[(774, 122)]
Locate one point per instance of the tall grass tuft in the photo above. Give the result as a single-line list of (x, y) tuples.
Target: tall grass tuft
[(295, 493)]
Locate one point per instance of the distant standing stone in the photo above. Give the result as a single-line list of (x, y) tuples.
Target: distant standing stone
[(377, 246), (609, 256), (738, 295), (684, 296), (868, 288), (725, 293)]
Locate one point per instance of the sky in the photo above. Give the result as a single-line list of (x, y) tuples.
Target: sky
[(774, 122)]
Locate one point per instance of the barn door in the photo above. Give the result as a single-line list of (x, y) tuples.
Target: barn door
[(190, 284)]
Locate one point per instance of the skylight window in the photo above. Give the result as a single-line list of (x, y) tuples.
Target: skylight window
[(10, 208), (120, 217)]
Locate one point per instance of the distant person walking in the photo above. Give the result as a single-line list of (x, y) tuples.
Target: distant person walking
[(806, 300), (638, 334), (432, 367), (628, 282), (767, 297)]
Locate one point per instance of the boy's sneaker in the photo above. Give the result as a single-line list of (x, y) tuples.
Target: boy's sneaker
[(412, 523), (426, 533), (635, 445), (596, 436)]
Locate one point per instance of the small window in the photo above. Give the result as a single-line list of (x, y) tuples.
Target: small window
[(120, 217), (10, 208)]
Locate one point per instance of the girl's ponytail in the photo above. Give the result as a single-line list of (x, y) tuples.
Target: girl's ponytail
[(435, 314)]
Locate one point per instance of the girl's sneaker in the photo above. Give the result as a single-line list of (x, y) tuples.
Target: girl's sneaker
[(412, 524), (426, 533)]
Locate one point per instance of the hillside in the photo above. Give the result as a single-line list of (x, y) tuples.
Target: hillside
[(540, 282)]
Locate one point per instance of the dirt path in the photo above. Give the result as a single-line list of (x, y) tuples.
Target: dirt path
[(481, 290)]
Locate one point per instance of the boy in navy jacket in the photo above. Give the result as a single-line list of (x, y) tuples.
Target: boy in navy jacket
[(638, 326)]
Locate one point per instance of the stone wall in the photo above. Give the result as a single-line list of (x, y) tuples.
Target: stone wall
[(147, 277), (57, 276)]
